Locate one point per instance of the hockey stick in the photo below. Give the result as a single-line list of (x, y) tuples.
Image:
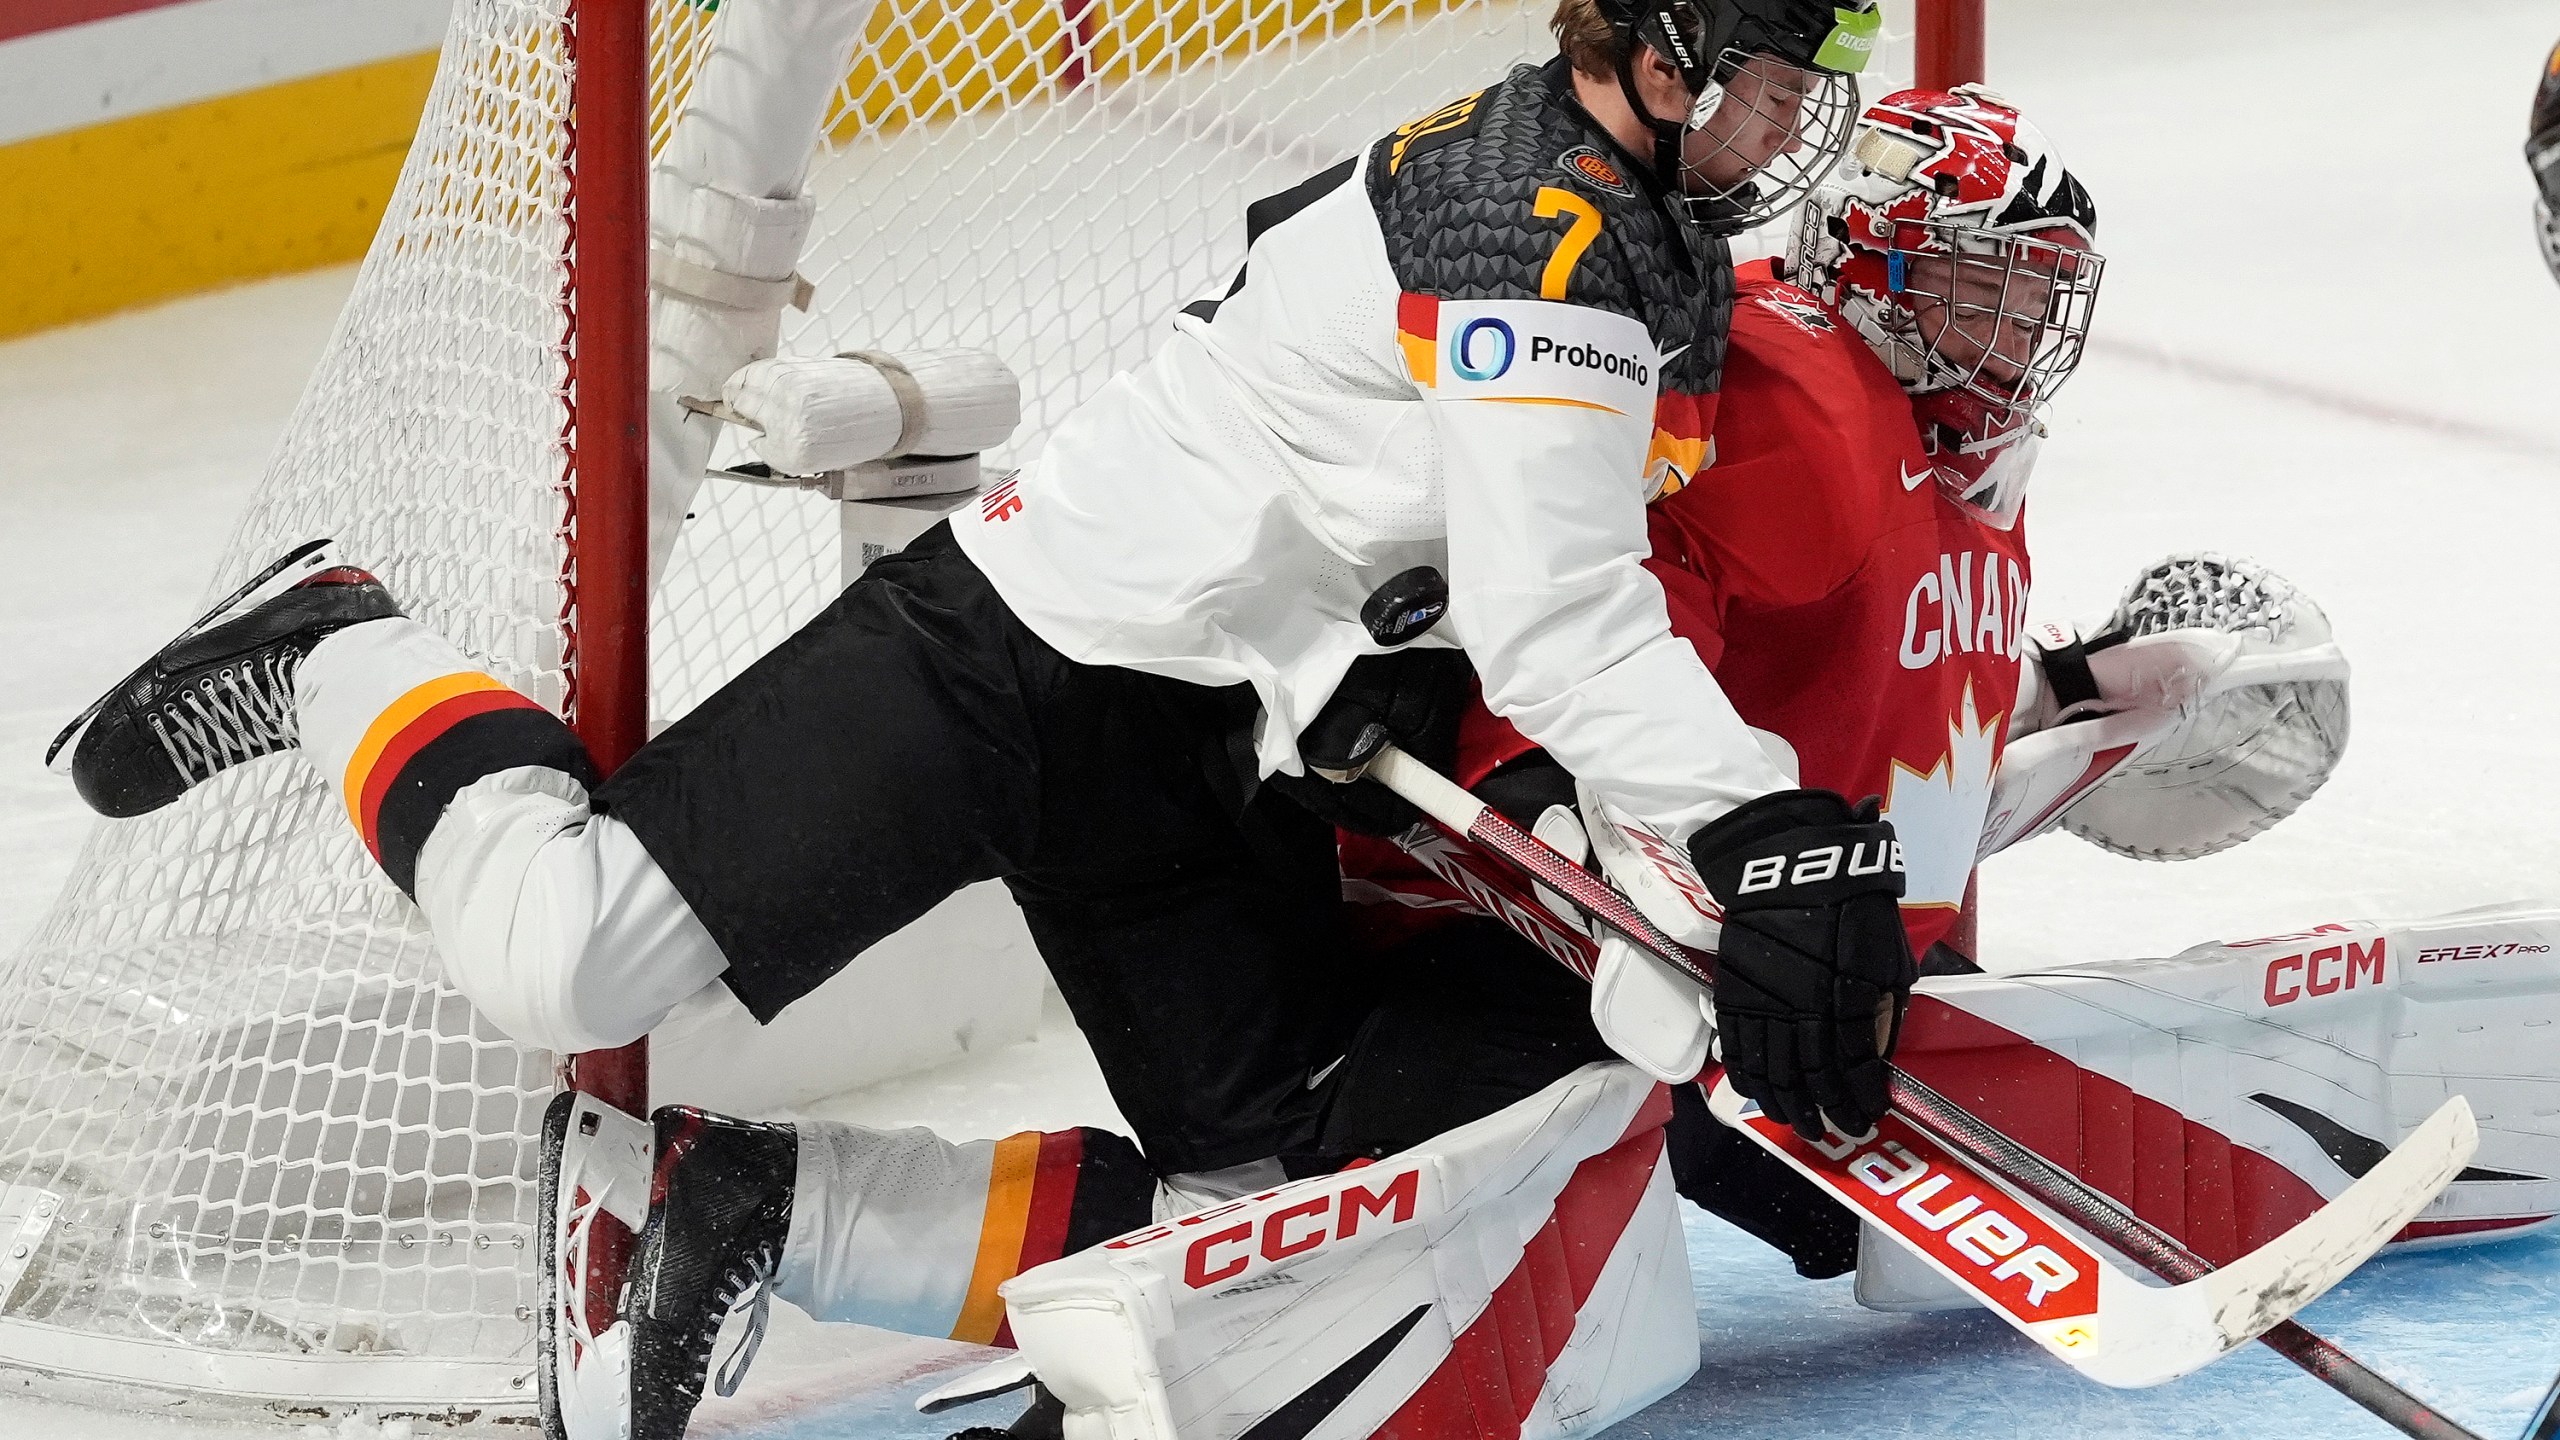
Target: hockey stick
[(1914, 1181), (2545, 1424)]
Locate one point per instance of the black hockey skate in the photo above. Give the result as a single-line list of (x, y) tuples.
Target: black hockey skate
[(719, 1211), (219, 694), (594, 1191)]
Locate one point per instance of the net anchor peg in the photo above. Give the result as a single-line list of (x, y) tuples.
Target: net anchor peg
[(27, 1213)]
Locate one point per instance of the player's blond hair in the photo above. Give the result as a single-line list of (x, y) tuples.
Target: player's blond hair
[(1586, 37)]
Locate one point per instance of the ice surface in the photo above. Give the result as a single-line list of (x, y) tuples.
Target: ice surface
[(2326, 343)]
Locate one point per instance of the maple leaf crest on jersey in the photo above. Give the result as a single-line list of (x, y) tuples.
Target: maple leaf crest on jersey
[(1790, 303)]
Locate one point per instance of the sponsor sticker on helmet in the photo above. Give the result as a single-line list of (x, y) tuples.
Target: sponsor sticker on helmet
[(1530, 352), (1593, 169), (1852, 42)]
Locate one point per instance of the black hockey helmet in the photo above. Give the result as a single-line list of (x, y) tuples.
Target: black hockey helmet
[(2542, 152), (1814, 51)]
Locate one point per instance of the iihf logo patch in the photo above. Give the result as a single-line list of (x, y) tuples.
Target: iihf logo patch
[(1593, 168)]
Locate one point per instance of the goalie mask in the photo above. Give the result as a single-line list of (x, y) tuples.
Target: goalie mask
[(1775, 87), (2542, 152), (1960, 247)]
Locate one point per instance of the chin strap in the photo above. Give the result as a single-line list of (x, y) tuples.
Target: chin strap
[(1714, 213), (1667, 134)]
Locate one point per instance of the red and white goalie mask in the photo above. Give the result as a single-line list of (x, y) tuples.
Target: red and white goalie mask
[(1957, 243)]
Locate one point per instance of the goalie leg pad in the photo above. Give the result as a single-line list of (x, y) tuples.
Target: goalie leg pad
[(2227, 1092), (1524, 1275)]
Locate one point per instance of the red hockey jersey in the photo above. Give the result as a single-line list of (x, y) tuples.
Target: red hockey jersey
[(1868, 626)]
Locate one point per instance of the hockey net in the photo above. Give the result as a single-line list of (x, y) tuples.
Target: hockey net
[(252, 1147)]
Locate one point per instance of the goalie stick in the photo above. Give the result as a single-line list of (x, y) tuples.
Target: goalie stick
[(1939, 1149), (2545, 1424)]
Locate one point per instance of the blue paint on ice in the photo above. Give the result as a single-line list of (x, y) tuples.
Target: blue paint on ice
[(2476, 1332)]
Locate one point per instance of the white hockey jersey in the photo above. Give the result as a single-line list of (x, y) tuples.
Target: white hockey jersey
[(1480, 346)]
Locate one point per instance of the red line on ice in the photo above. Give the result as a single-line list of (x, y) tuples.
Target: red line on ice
[(2322, 397)]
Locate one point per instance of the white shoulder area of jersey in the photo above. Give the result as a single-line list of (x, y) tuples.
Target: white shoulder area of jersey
[(1528, 352)]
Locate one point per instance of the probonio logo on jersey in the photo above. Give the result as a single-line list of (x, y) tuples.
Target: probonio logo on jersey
[(1482, 349), (1528, 352)]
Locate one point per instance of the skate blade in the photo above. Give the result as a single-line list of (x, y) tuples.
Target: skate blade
[(984, 1383), (585, 1390), (298, 564)]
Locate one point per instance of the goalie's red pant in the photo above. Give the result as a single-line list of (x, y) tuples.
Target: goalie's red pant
[(912, 739)]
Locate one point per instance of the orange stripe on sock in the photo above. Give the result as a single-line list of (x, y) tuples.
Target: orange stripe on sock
[(395, 718), (421, 733), (416, 736), (1011, 1181), (1053, 1196)]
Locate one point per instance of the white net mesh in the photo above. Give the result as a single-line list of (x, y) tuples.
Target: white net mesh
[(241, 1113)]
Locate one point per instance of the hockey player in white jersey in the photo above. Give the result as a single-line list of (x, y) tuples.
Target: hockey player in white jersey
[(1471, 351)]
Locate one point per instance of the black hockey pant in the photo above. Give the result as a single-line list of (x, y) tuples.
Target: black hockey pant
[(915, 738)]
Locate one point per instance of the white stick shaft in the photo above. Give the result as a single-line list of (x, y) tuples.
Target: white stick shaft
[(1435, 794)]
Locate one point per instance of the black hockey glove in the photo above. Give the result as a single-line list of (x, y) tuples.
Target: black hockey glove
[(1814, 970), (1409, 698)]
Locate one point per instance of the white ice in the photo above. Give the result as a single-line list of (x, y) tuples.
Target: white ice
[(2326, 343)]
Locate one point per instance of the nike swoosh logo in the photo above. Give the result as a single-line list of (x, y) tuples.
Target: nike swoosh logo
[(1317, 1077), (2357, 1154), (1675, 352), (1911, 481), (1299, 1415)]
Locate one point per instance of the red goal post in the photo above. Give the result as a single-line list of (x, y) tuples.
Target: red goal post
[(1949, 45), (1948, 51), (605, 616)]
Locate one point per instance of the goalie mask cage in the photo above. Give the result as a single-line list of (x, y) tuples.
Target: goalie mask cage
[(253, 1148)]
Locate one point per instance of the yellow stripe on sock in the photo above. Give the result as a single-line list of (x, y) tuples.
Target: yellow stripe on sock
[(397, 717), (1009, 1182)]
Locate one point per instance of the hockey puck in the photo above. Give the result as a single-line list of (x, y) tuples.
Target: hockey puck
[(1405, 606)]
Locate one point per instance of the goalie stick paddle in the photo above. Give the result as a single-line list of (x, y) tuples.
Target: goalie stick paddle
[(2255, 1297)]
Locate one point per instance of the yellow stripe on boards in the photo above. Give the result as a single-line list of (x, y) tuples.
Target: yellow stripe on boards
[(270, 181), (296, 176), (1009, 1181), (396, 717)]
